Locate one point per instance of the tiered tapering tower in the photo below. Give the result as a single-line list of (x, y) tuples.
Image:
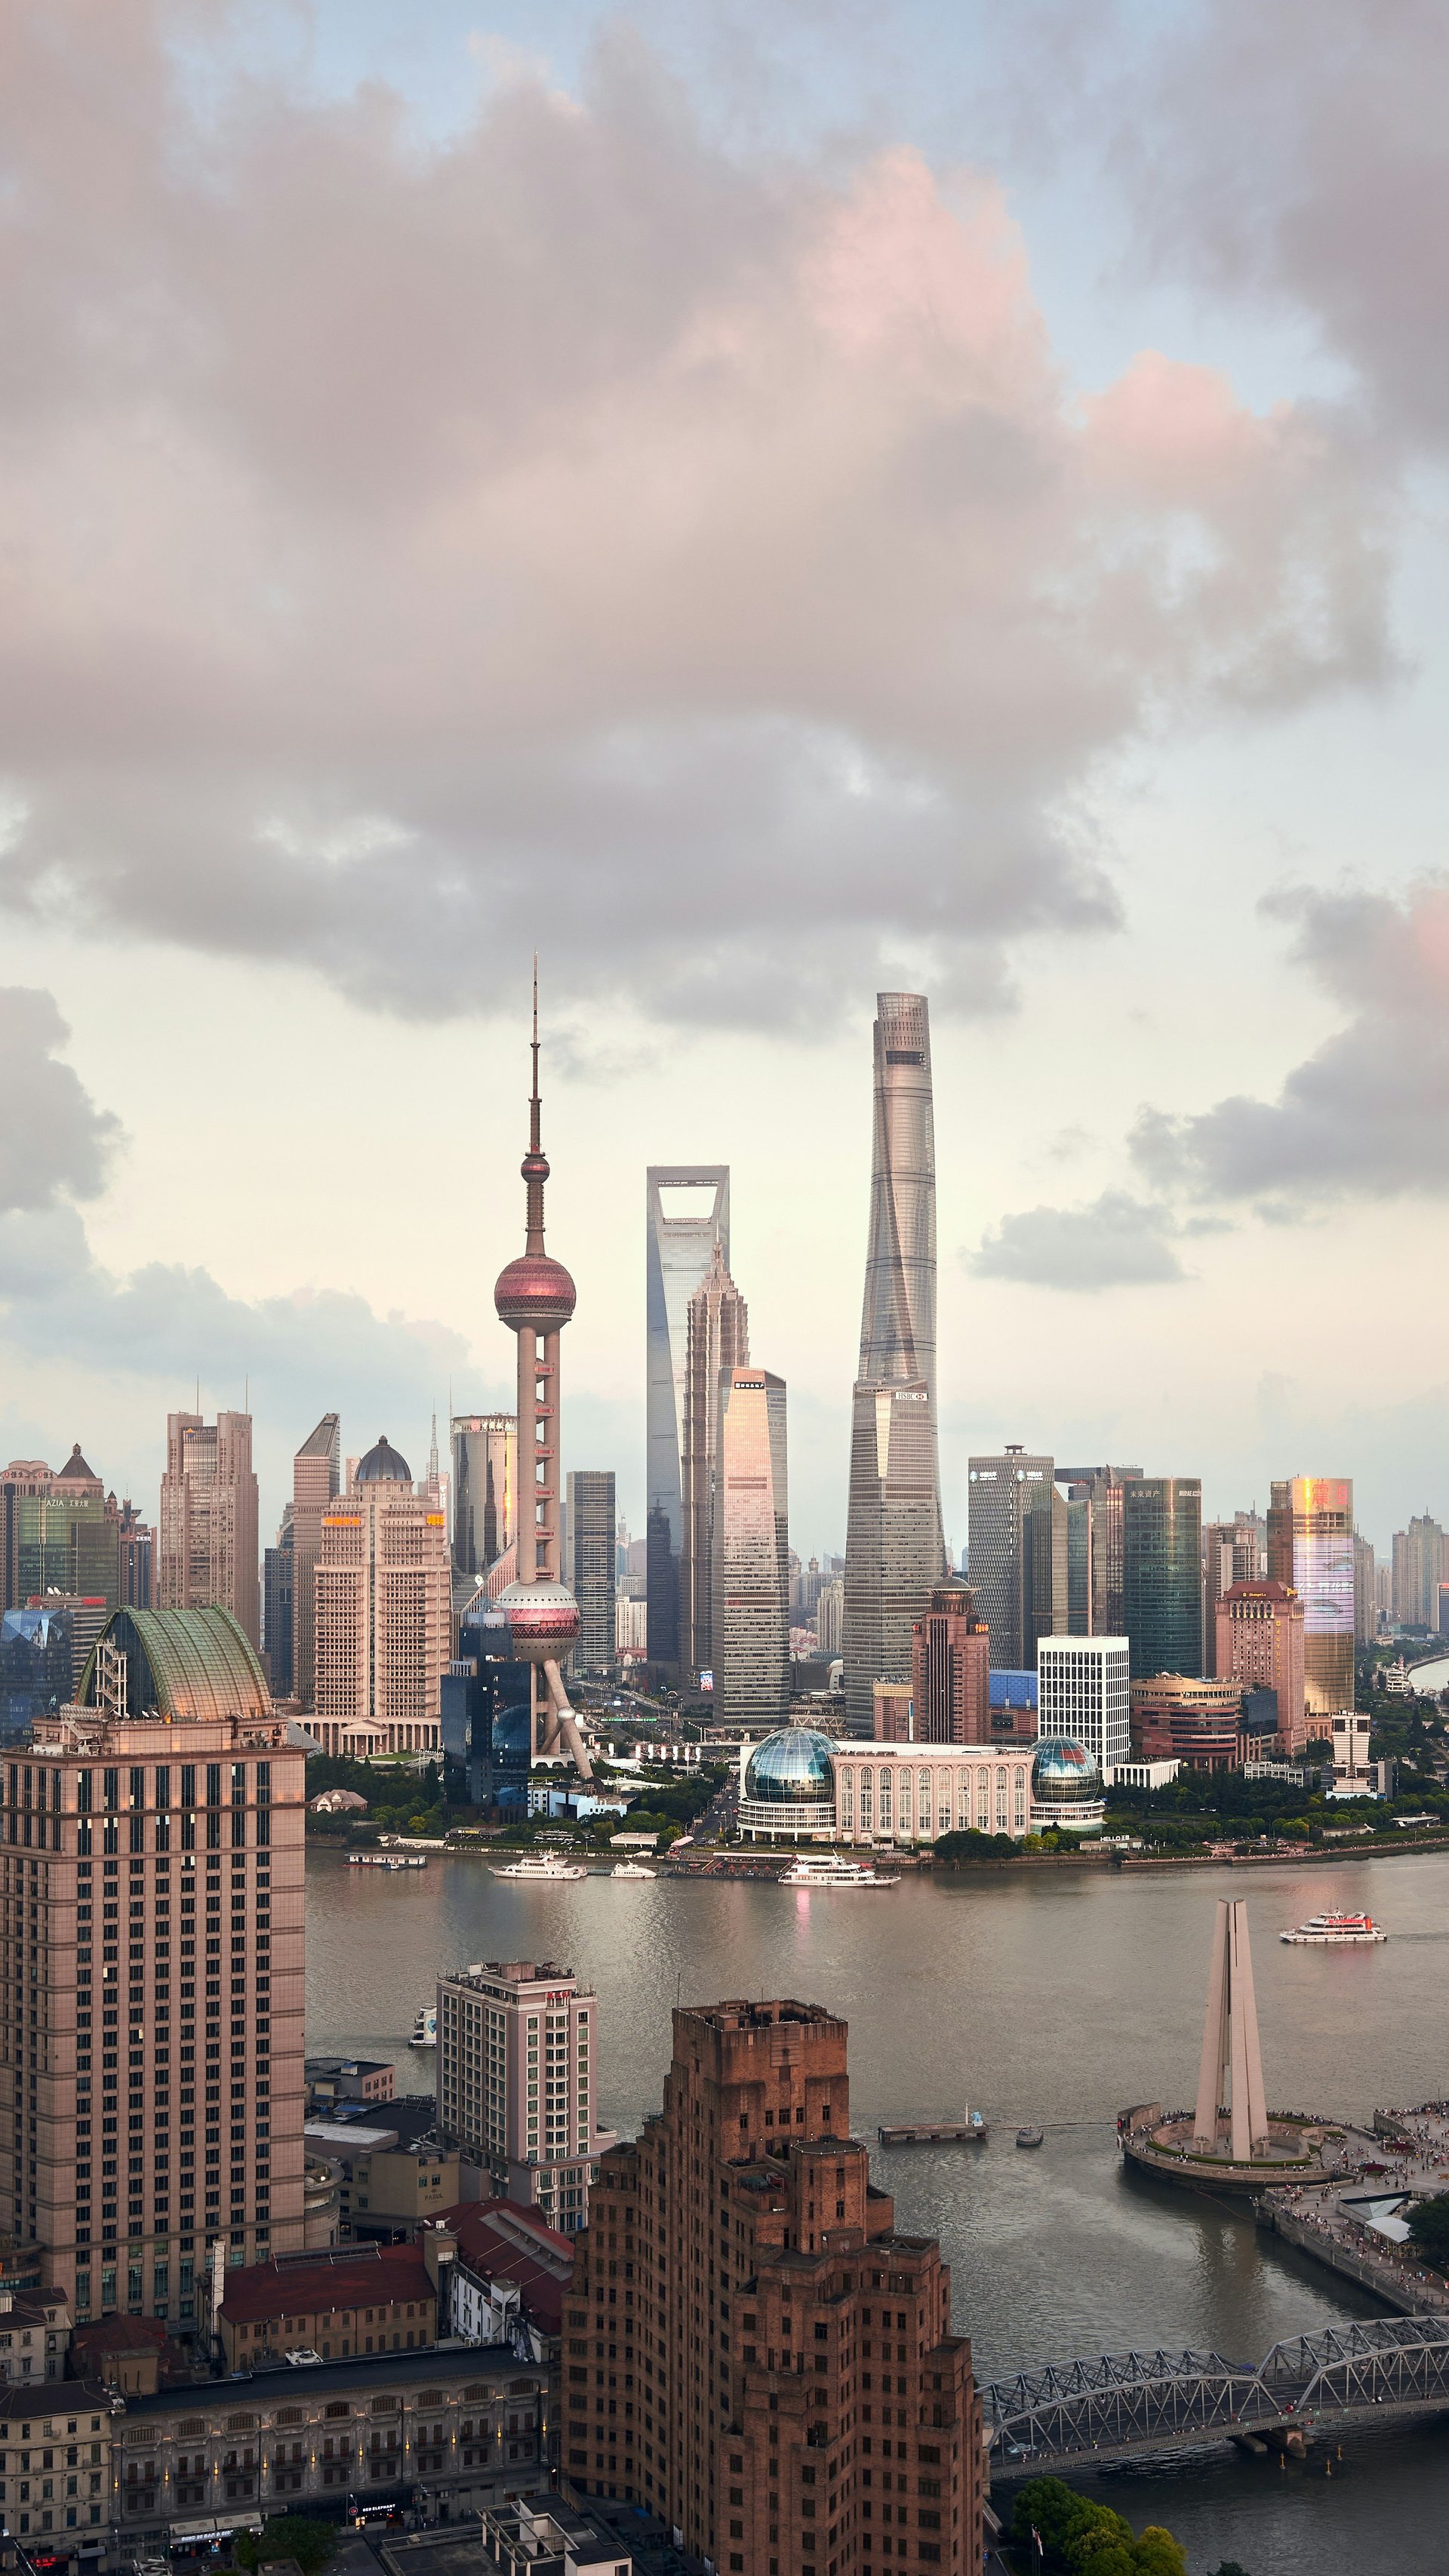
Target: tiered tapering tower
[(717, 1342), (893, 1550), (535, 1298)]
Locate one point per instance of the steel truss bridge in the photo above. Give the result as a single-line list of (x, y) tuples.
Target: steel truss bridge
[(1120, 2406)]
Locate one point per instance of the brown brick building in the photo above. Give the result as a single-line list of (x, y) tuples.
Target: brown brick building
[(750, 2349)]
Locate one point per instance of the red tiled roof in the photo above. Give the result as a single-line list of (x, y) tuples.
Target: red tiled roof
[(492, 2240), (118, 2334), (356, 2277)]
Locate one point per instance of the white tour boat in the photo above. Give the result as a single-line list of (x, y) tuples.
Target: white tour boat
[(832, 1869), (425, 2027), (546, 1866), (1336, 1930), (387, 1860), (630, 1869)]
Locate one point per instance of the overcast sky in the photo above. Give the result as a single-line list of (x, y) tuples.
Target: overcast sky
[(759, 502)]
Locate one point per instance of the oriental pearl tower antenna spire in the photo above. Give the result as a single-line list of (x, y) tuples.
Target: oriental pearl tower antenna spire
[(535, 1299)]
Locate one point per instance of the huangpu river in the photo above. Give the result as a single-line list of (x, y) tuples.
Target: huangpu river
[(1055, 1998)]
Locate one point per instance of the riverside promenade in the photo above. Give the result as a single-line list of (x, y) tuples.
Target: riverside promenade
[(1356, 2228)]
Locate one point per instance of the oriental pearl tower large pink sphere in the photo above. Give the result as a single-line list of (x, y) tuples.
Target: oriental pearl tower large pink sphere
[(535, 1299)]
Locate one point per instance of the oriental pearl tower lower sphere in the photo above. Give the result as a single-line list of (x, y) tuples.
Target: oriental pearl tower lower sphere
[(535, 1298)]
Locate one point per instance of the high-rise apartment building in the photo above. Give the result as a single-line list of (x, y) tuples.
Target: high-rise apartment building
[(279, 1606), (1084, 1693), (1233, 1551), (717, 1341), (592, 1521), (518, 2072), (779, 2361), (57, 1533), (894, 1551), (151, 1929), (830, 1616), (485, 1489), (315, 1480), (1310, 1546), (1259, 1645), (383, 1620), (1016, 1552), (1421, 1564), (750, 1619), (1365, 1592), (1162, 1573), (687, 1215), (950, 1670), (135, 1559), (206, 1537)]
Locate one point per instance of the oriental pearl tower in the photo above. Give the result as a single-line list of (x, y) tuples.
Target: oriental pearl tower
[(535, 1299)]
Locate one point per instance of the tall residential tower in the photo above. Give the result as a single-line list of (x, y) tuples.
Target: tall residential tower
[(207, 1532), (894, 1552)]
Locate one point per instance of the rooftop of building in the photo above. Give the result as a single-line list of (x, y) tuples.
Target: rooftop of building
[(512, 1972), (75, 1466), (182, 1664), (276, 2382), (383, 1465), (344, 2276), (312, 2067), (50, 2402), (503, 2242), (744, 2015)]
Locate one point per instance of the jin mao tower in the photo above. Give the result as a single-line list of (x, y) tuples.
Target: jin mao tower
[(893, 1551)]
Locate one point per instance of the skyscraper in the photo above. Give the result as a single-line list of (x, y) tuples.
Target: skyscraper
[(1162, 1574), (682, 1230), (315, 1480), (57, 1533), (1016, 1553), (717, 1340), (279, 1566), (592, 1520), (761, 2417), (1260, 1645), (384, 1618), (751, 1608), (485, 1489), (950, 1670), (1310, 1545), (534, 1296), (518, 2082), (1421, 1564), (206, 1541), (135, 1559), (893, 1550), (1084, 1696), (1365, 1592)]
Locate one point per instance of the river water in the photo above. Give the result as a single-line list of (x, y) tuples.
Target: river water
[(1055, 1997)]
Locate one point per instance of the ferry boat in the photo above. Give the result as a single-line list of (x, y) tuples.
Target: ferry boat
[(832, 1869), (1336, 1930), (630, 1869), (549, 1867), (386, 1860), (425, 2027)]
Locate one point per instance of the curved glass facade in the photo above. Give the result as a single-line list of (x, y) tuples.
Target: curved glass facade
[(795, 1768), (1066, 1786), (183, 1664)]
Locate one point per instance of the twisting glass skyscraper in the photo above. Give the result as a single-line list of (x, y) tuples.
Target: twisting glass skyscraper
[(684, 1225), (894, 1552)]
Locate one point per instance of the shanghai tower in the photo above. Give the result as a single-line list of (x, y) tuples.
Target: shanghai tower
[(893, 1549)]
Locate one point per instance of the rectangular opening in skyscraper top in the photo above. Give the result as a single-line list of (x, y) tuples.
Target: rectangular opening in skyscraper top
[(684, 1199)]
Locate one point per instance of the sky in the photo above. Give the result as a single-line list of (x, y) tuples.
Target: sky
[(758, 504)]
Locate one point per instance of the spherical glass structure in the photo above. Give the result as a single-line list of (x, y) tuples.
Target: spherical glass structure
[(1064, 1774), (544, 1619), (792, 1769)]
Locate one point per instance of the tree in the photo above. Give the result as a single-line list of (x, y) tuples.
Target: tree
[(1089, 2539), (971, 1845), (292, 2535), (1429, 2229)]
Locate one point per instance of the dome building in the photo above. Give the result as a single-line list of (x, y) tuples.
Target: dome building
[(383, 1611), (1066, 1788), (787, 1786)]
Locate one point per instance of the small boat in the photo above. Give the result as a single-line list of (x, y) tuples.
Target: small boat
[(1336, 1931), (832, 1869), (387, 1860), (548, 1867), (630, 1869), (1030, 2136), (425, 2027)]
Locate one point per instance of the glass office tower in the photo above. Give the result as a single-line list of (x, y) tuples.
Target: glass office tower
[(1310, 1545), (1162, 1574), (687, 1214)]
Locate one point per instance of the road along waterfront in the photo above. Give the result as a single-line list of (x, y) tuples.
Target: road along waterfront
[(1053, 2000)]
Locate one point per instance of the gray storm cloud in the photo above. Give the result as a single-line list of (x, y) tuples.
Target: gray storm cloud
[(413, 548), (1116, 1241)]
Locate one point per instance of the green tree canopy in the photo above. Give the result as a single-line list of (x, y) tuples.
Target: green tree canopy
[(292, 2535), (1429, 2229)]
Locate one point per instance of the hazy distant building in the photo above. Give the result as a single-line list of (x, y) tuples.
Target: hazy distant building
[(1259, 1646), (485, 1489), (57, 1533), (1421, 1564), (717, 1341), (830, 1616), (383, 1608), (315, 1479), (207, 1528), (751, 1613), (687, 1215), (592, 1521), (1017, 1553), (1233, 1551), (1084, 1696), (1310, 1545), (1365, 1593), (951, 1670), (894, 1552), (1162, 1574), (1079, 1564), (279, 1566)]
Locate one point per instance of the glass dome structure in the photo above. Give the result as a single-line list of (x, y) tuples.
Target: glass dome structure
[(1066, 1786), (792, 1769)]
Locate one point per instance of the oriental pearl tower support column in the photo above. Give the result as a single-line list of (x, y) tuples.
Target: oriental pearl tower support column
[(535, 1299)]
